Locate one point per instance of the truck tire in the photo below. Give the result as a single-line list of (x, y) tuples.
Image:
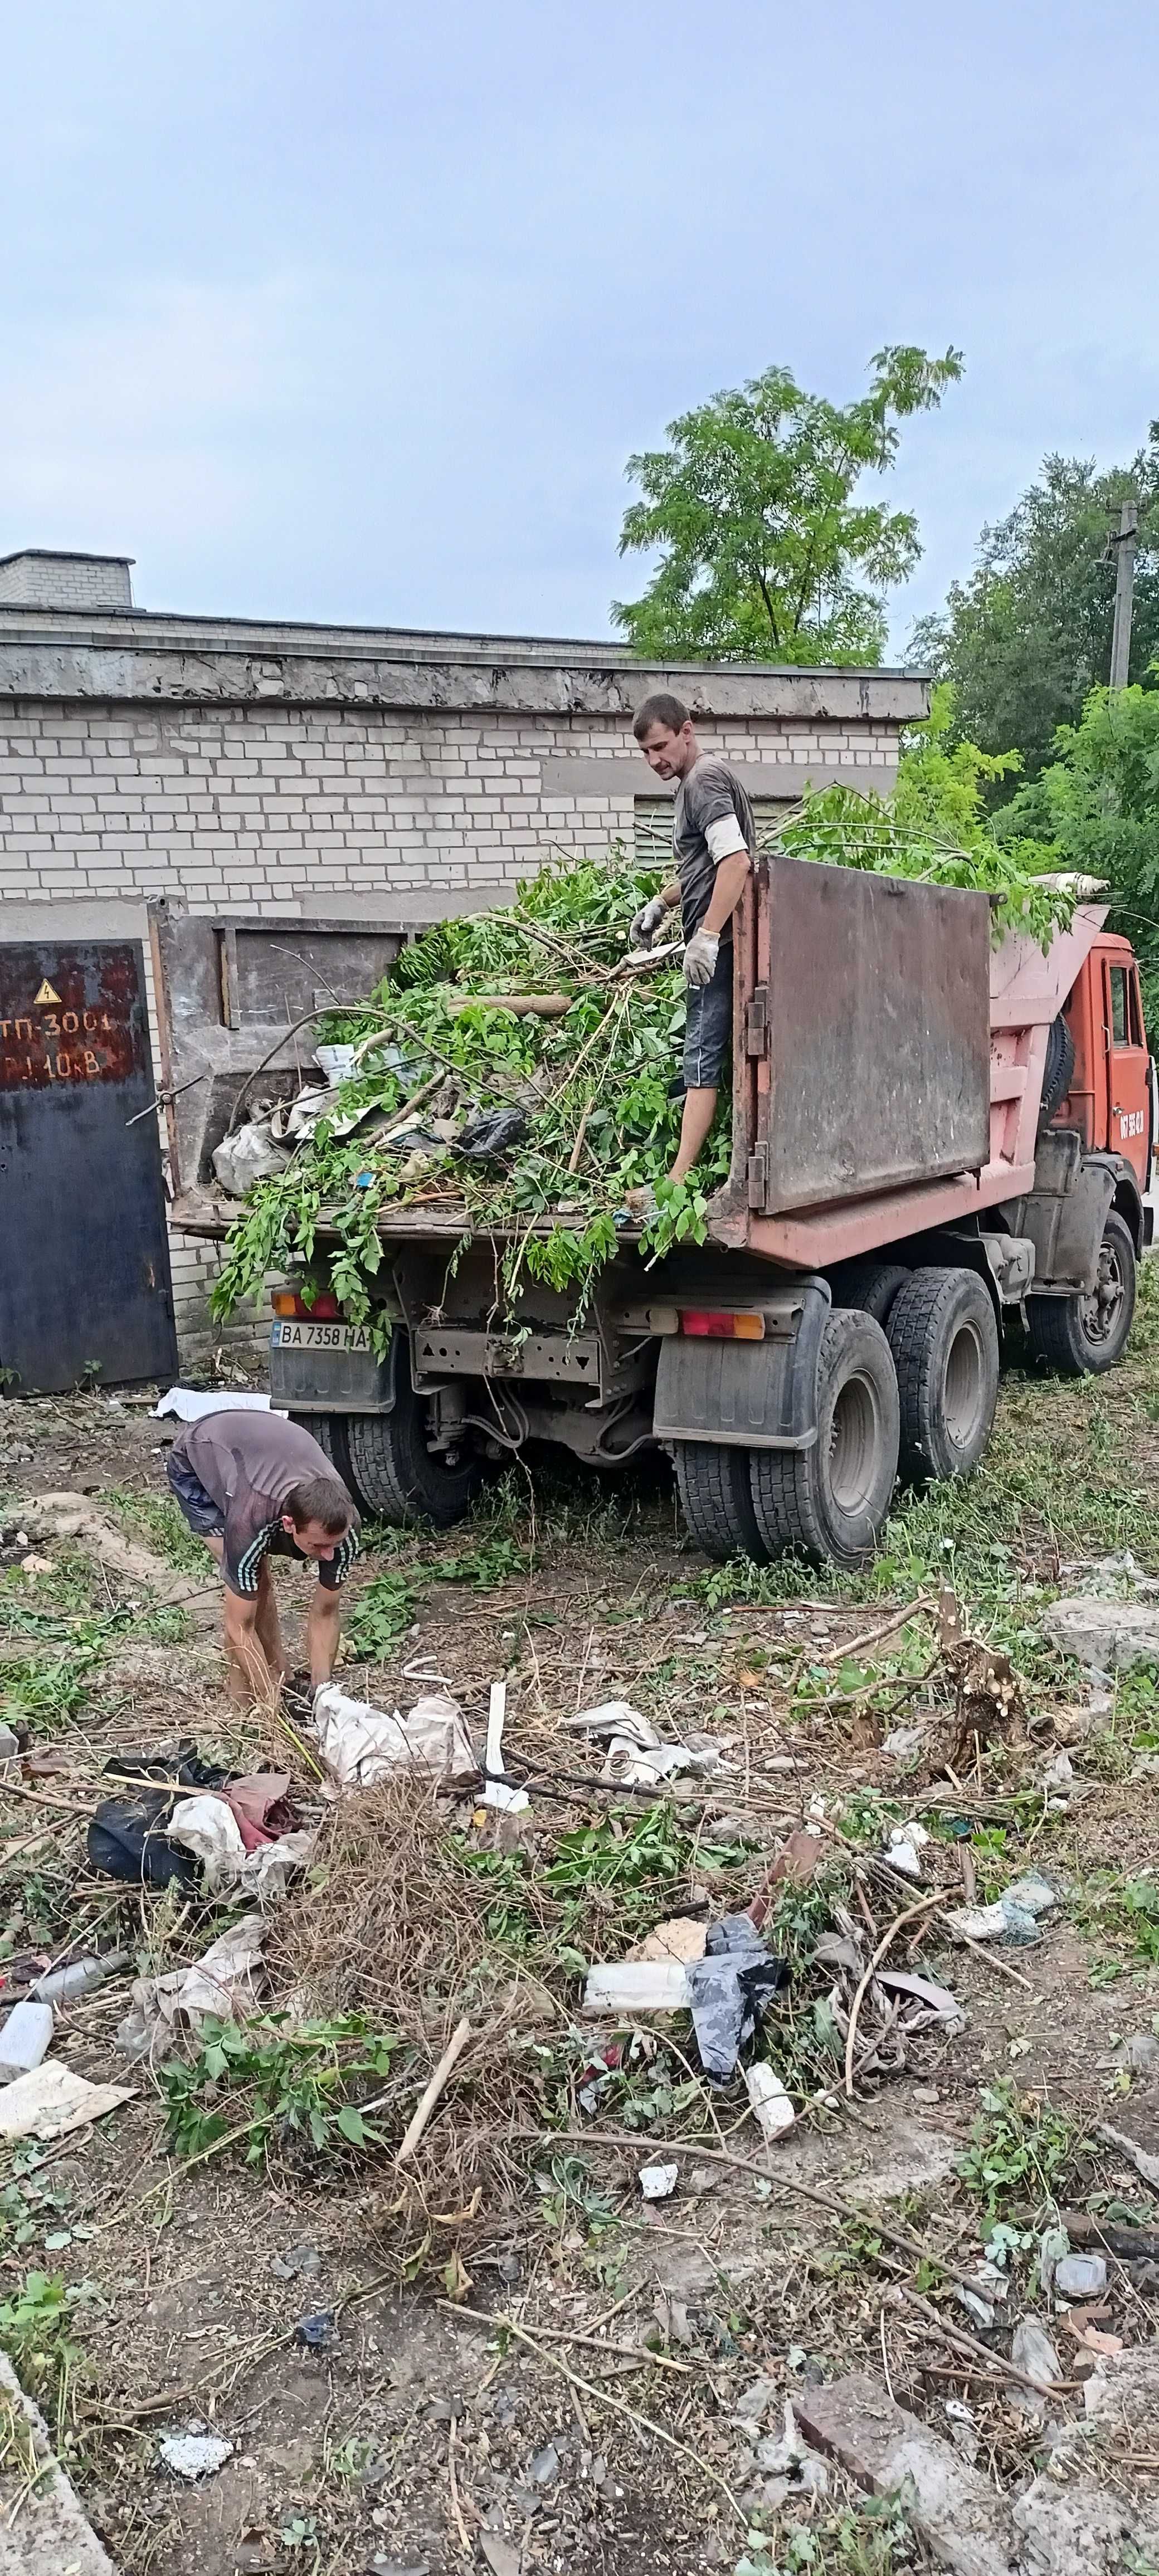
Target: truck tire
[(1085, 1334), (944, 1341), (870, 1286), (830, 1502), (716, 1499), (1057, 1071), (329, 1430), (396, 1476)]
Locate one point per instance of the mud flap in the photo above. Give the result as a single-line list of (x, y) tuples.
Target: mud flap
[(747, 1395)]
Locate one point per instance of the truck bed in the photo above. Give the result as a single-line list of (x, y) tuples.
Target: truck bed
[(887, 1064)]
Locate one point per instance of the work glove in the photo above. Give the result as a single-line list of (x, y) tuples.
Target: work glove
[(700, 957), (647, 922)]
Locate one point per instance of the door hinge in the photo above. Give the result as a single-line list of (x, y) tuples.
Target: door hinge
[(757, 1024), (758, 1176)]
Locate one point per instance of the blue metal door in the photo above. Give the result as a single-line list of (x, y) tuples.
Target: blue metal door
[(85, 1289)]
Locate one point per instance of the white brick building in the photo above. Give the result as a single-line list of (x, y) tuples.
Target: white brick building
[(297, 769)]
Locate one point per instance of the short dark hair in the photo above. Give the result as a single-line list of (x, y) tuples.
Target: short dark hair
[(321, 1499), (662, 709)]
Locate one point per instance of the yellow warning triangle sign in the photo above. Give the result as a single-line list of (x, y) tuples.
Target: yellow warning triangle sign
[(46, 994)]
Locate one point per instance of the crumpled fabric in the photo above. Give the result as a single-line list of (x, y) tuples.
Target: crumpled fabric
[(220, 1986), (253, 1800), (727, 1989), (208, 1828)]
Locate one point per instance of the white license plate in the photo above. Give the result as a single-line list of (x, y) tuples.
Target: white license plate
[(293, 1336)]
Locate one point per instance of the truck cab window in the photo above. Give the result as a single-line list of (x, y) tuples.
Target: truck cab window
[(1120, 1022)]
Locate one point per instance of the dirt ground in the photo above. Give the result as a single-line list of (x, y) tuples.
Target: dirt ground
[(609, 2426)]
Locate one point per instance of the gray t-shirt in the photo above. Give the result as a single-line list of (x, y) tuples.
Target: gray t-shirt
[(249, 1463), (710, 791)]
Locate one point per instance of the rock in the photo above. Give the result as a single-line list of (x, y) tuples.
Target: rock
[(1059, 1774), (1108, 1636), (1033, 2351), (300, 2258), (501, 2558), (954, 2507), (1033, 1894), (195, 2455), (545, 2466), (1070, 2531), (1080, 2276), (903, 1743), (754, 2402), (1140, 2051)]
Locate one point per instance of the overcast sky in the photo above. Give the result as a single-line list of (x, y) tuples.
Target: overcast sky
[(356, 311)]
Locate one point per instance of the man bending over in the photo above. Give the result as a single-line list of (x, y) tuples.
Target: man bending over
[(714, 843), (253, 1485)]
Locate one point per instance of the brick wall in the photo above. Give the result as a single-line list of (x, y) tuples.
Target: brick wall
[(288, 806), (66, 581)]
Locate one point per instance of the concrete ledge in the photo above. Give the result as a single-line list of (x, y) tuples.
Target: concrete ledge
[(623, 780), (50, 2535), (77, 659)]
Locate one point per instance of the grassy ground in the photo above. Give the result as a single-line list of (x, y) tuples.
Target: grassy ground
[(156, 2268)]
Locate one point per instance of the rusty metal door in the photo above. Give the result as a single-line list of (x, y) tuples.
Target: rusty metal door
[(870, 1022), (85, 1290)]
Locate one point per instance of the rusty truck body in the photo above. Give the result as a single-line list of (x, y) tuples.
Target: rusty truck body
[(931, 1135)]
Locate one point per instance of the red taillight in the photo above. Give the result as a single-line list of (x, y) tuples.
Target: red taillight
[(705, 1325), (325, 1309)]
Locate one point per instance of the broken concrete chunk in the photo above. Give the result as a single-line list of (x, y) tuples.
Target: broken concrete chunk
[(1108, 1636), (195, 2455), (1033, 1894), (964, 2521), (658, 2182), (769, 2102)]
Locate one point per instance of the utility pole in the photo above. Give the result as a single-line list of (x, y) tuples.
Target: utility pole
[(1125, 544)]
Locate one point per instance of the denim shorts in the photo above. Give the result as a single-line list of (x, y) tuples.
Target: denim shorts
[(203, 1515), (708, 1027)]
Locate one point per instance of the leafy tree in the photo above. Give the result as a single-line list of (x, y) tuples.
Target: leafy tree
[(765, 553), (1097, 803), (1026, 637)]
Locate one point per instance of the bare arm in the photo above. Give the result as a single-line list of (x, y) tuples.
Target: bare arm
[(244, 1643), (322, 1628), (731, 879)]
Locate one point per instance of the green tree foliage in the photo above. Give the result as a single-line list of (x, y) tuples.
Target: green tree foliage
[(1026, 637), (766, 555), (1097, 803), (935, 827)]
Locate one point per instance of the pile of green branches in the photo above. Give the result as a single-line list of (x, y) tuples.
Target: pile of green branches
[(597, 1086)]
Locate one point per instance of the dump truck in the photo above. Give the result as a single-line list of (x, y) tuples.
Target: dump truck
[(934, 1136)]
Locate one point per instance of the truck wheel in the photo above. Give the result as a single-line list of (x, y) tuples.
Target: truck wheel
[(1083, 1335), (830, 1502), (329, 1430), (716, 1499), (944, 1341), (871, 1286), (396, 1476)]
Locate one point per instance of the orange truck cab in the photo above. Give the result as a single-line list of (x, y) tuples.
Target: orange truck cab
[(1109, 1096)]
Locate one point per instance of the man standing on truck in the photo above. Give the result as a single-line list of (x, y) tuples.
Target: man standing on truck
[(254, 1485), (714, 842)]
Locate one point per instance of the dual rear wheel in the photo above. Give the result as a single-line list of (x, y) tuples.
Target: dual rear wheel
[(907, 1383)]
